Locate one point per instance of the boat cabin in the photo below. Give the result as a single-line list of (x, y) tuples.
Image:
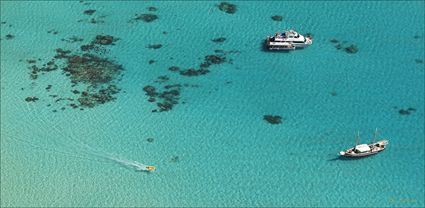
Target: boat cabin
[(361, 148)]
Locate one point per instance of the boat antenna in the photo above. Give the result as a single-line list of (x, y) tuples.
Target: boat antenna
[(376, 133)]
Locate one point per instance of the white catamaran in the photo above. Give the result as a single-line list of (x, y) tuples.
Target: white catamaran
[(362, 150)]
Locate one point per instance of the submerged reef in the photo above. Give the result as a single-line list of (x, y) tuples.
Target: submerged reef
[(166, 95), (93, 75), (98, 43), (175, 159), (31, 99), (405, 112), (351, 49), (89, 11), (219, 40), (73, 39), (213, 59), (9, 36), (144, 17), (273, 119), (95, 19), (277, 18), (348, 48), (227, 7), (91, 69), (154, 46), (165, 99), (152, 9), (54, 32)]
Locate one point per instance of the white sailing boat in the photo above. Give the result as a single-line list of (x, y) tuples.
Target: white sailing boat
[(362, 150)]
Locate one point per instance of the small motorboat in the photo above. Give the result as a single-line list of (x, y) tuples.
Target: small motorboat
[(150, 168), (362, 150)]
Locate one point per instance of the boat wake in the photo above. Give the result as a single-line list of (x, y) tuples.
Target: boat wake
[(131, 164), (75, 147)]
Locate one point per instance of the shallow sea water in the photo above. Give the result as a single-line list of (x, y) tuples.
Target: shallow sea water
[(214, 148)]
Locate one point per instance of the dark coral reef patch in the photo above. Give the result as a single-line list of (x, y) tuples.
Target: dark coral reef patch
[(219, 40), (277, 18), (405, 112), (154, 46), (273, 119), (227, 7), (165, 99), (94, 75), (144, 17), (89, 11), (348, 48)]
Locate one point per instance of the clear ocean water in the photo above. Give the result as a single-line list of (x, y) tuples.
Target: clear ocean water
[(214, 148)]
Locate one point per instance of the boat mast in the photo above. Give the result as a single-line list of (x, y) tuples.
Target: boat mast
[(358, 138), (376, 133)]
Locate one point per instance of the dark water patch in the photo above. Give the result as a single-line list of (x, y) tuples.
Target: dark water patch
[(162, 78), (405, 112), (152, 9), (333, 40), (73, 39), (214, 59), (150, 140), (151, 61), (416, 36), (227, 7), (105, 40), (174, 68), (144, 17), (154, 46), (89, 11), (94, 20), (48, 87), (31, 99), (351, 49), (54, 32), (194, 72), (3, 22), (347, 47), (273, 119), (219, 40), (9, 37), (31, 61), (277, 18), (164, 32), (419, 61), (333, 93), (175, 159)]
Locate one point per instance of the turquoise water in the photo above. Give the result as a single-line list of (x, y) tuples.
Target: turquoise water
[(214, 148)]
